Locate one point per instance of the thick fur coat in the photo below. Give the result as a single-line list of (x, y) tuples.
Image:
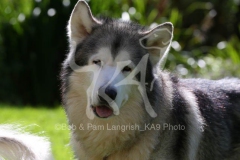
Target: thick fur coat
[(167, 118)]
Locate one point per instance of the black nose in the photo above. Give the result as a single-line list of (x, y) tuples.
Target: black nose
[(109, 91)]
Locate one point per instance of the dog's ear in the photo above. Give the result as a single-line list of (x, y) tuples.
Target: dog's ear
[(157, 41), (81, 22)]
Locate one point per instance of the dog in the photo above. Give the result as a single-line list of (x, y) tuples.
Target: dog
[(18, 145), (120, 104)]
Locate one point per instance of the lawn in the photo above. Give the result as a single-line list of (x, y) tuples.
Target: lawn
[(47, 122)]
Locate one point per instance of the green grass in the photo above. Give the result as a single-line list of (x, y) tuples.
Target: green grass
[(41, 121)]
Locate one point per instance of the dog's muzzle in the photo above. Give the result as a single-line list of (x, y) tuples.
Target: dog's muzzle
[(106, 96)]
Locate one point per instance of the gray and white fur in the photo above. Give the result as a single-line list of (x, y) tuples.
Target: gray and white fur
[(205, 113)]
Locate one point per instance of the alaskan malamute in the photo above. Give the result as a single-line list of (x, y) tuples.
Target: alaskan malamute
[(122, 106)]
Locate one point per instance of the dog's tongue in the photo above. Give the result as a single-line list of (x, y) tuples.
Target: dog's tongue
[(103, 111)]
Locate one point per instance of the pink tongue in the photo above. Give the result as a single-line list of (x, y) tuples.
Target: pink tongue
[(103, 111)]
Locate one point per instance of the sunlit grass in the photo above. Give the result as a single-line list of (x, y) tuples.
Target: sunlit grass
[(41, 121)]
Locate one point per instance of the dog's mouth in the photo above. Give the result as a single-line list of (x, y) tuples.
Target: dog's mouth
[(102, 111)]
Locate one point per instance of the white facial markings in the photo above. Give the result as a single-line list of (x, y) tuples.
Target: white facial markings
[(122, 60), (123, 91), (130, 80), (122, 56), (104, 55), (111, 74), (104, 80)]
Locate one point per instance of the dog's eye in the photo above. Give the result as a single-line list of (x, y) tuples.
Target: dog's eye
[(127, 69), (97, 62)]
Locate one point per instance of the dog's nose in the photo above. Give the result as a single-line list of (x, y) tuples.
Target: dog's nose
[(109, 91)]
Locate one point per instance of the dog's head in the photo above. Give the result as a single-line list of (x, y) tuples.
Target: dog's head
[(111, 62)]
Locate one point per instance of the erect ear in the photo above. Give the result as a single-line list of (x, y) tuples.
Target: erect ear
[(158, 41), (81, 22)]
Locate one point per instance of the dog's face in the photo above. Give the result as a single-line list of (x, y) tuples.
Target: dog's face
[(111, 62)]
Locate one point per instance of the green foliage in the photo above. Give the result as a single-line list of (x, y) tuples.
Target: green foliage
[(32, 49), (33, 42)]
